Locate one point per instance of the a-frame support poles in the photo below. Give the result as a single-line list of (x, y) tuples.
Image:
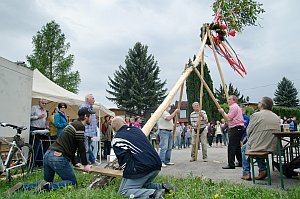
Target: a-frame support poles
[(163, 106)]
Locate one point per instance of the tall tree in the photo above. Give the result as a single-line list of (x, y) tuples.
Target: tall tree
[(286, 94), (193, 84), (137, 87), (220, 94), (49, 57)]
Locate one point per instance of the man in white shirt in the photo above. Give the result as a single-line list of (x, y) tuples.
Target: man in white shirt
[(165, 126)]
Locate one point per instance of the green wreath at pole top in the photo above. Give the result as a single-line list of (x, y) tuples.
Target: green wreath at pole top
[(238, 14)]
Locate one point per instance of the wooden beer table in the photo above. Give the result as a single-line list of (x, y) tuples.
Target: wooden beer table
[(287, 149)]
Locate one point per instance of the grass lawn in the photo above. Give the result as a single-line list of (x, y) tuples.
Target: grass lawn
[(190, 187)]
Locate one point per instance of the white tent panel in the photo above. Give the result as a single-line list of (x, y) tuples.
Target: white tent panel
[(42, 87)]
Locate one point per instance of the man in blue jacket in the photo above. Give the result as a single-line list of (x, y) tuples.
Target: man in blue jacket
[(139, 161)]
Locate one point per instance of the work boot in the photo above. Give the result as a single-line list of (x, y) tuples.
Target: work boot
[(13, 189), (246, 177), (261, 175), (158, 193), (169, 187)]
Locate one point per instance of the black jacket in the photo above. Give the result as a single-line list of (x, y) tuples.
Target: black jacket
[(135, 154)]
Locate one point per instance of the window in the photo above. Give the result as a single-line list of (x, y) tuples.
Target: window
[(182, 114)]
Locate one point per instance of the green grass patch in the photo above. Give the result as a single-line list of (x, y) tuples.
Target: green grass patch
[(189, 187)]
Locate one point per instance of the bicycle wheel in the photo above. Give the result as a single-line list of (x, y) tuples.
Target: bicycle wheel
[(20, 162)]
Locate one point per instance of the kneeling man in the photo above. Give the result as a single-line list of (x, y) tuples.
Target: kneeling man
[(139, 161)]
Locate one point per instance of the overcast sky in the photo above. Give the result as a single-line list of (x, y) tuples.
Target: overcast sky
[(102, 31)]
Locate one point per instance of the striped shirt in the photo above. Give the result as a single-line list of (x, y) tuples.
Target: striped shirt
[(90, 130), (194, 119), (71, 140)]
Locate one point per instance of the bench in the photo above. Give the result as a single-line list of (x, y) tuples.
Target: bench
[(264, 155)]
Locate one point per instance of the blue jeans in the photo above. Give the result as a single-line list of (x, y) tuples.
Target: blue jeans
[(140, 187), (225, 139), (165, 145), (246, 162), (177, 141), (55, 164), (89, 152)]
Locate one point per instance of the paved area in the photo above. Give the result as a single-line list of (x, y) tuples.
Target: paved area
[(217, 157)]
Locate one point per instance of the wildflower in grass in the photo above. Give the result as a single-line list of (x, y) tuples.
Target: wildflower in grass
[(216, 196)]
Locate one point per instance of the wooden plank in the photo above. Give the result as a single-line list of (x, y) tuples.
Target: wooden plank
[(258, 153), (104, 171)]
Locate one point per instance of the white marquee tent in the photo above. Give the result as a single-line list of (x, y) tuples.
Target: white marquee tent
[(44, 88)]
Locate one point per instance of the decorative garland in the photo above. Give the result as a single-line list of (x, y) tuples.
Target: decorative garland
[(231, 16)]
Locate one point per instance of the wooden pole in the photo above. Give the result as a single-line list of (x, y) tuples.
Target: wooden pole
[(178, 107), (167, 101), (218, 64), (200, 107), (208, 90)]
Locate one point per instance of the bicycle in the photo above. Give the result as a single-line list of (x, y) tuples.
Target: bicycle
[(20, 158)]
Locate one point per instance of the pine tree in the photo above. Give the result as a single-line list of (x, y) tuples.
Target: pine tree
[(137, 87), (49, 57), (220, 94), (286, 94), (193, 93)]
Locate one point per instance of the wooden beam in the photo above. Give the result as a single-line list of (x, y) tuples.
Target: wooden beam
[(104, 171), (208, 90), (178, 107), (167, 101), (218, 64), (200, 107)]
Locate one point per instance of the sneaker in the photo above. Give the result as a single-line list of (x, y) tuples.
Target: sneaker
[(96, 163), (192, 160), (170, 163), (13, 189), (158, 193), (169, 187), (205, 160), (163, 165), (41, 186)]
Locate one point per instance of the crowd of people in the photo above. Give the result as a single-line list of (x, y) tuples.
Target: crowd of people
[(139, 159)]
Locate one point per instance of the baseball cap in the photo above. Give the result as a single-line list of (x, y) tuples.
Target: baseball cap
[(83, 111)]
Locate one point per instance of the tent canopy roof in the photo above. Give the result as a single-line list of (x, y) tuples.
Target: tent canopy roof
[(44, 88)]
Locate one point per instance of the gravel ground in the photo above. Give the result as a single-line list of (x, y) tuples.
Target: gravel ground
[(217, 157)]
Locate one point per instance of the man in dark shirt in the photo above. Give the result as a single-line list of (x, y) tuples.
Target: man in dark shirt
[(59, 155), (139, 161)]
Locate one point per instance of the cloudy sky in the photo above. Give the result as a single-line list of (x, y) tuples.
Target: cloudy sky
[(102, 31)]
